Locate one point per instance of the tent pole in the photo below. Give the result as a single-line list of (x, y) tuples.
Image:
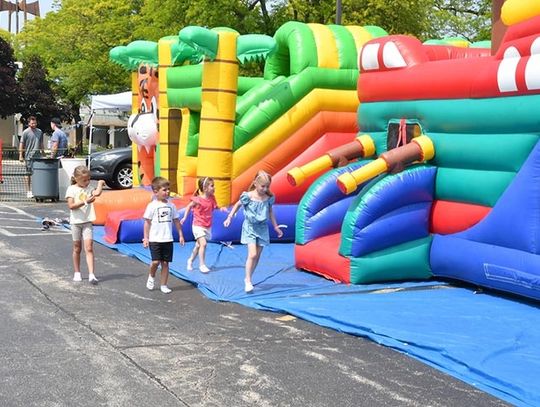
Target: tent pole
[(90, 136)]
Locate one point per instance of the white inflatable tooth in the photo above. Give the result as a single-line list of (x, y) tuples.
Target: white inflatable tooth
[(392, 58), (369, 59), (532, 69), (506, 73)]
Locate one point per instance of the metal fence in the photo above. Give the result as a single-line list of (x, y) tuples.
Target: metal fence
[(12, 176)]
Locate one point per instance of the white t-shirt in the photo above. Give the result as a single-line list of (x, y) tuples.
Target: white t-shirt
[(85, 213), (161, 215)]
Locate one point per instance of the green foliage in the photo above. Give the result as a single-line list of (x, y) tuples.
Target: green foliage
[(9, 88), (395, 16), (164, 17), (470, 19), (74, 43), (6, 35)]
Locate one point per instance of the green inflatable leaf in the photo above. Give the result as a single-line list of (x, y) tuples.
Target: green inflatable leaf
[(254, 47), (120, 56), (203, 40), (135, 53), (181, 52)]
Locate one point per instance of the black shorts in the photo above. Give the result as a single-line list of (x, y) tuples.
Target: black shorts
[(162, 251)]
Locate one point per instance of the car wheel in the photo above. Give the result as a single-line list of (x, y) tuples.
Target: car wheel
[(123, 177)]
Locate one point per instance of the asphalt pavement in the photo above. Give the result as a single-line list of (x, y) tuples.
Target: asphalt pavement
[(118, 344)]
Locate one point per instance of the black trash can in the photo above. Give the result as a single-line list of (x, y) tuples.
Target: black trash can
[(45, 179)]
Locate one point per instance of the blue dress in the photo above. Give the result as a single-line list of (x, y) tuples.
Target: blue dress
[(256, 215)]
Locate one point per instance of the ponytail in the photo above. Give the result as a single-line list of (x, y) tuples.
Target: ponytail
[(201, 185)]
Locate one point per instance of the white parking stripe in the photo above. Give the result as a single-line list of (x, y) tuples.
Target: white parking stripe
[(20, 220), (34, 228), (19, 211), (27, 218), (44, 233)]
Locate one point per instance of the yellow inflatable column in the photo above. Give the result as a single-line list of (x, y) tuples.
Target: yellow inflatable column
[(134, 110), (167, 149), (218, 114)]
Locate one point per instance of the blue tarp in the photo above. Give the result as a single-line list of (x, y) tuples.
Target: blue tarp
[(488, 341)]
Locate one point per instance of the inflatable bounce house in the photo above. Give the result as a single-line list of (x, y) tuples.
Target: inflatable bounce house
[(452, 188), (408, 160), (197, 117)]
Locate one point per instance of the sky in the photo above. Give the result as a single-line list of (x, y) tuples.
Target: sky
[(44, 7)]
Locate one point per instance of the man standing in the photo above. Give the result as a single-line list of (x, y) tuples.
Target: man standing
[(59, 139), (31, 145)]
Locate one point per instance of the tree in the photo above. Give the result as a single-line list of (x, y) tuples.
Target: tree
[(167, 17), (425, 19), (395, 16), (10, 91), (470, 19), (74, 44), (37, 96)]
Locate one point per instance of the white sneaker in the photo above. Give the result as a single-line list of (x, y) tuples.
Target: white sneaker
[(29, 194), (248, 287), (77, 277), (165, 289), (150, 283), (92, 279), (203, 268), (189, 265)]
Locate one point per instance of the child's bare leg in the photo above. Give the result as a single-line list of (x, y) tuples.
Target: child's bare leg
[(201, 242), (153, 268), (257, 257), (192, 256), (76, 255), (195, 251), (77, 246), (164, 273), (251, 261), (89, 252)]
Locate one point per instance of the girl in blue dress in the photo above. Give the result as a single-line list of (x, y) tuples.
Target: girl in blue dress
[(257, 203)]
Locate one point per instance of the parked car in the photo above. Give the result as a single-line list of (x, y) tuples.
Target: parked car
[(113, 166)]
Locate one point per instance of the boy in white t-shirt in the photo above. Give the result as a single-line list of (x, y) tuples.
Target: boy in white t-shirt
[(159, 217)]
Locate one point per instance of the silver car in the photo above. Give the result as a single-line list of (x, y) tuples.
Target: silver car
[(113, 166)]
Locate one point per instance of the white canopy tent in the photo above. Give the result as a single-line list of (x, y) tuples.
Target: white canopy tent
[(120, 102)]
